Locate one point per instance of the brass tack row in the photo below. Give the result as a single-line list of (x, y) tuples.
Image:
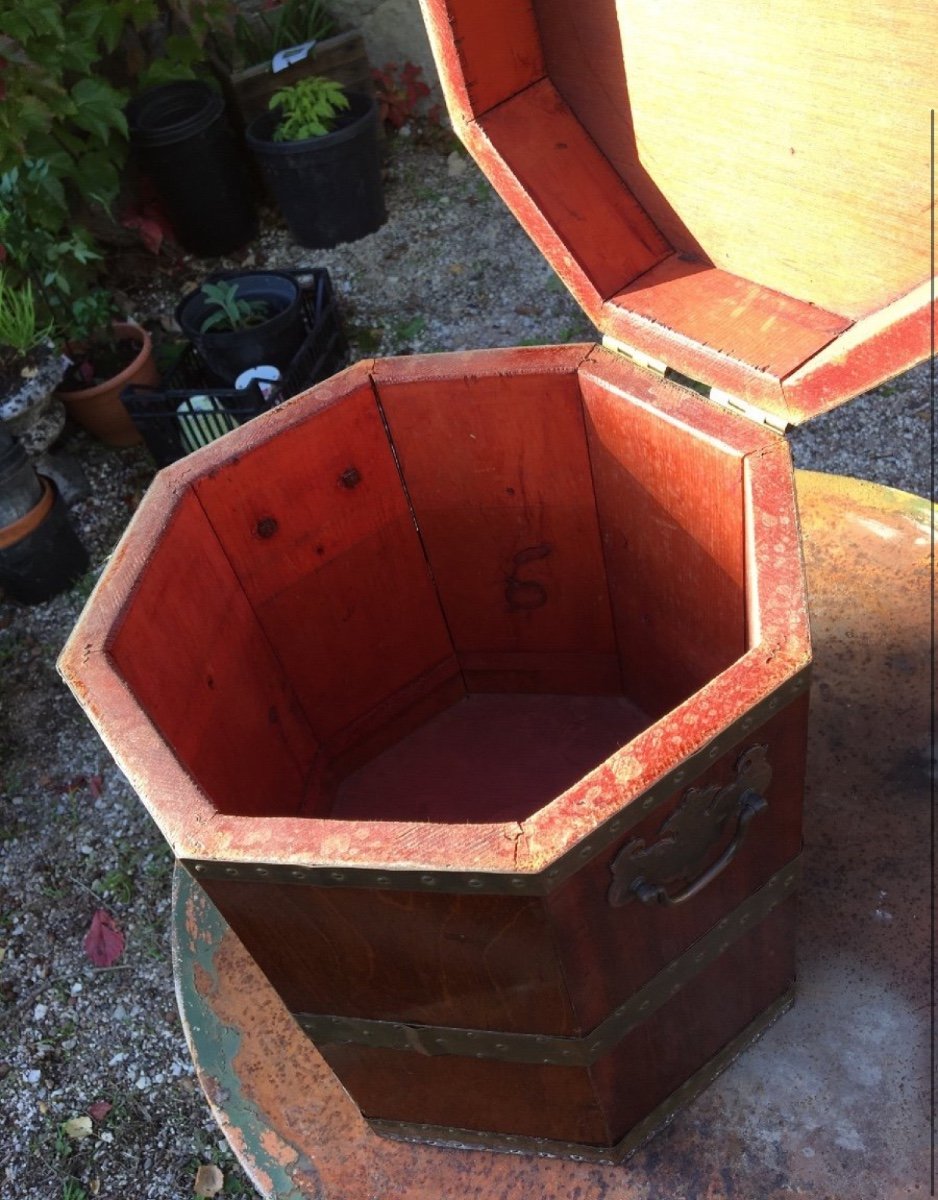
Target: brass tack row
[(560, 1050), (509, 1143), (498, 883)]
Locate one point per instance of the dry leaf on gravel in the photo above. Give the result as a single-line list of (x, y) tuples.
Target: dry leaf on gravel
[(77, 1128), (209, 1181), (104, 942)]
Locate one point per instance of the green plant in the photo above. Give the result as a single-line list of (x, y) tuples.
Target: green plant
[(91, 316), (258, 36), (309, 107), (231, 310), (67, 68), (20, 330)]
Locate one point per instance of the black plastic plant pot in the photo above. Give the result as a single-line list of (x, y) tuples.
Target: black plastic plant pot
[(182, 140), (45, 560), (328, 188), (273, 342)]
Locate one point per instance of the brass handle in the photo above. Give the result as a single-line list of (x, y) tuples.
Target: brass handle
[(751, 804)]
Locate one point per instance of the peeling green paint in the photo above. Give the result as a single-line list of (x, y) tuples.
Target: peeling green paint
[(214, 1046)]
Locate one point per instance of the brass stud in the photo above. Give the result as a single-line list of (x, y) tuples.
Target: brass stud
[(428, 880), (338, 876), (297, 874), (261, 871), (616, 825), (231, 870), (552, 874), (678, 776), (200, 866), (649, 800), (585, 850), (746, 723), (476, 883), (383, 879), (773, 704), (519, 882), (713, 752)]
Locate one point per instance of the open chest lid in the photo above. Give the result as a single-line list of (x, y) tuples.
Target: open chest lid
[(739, 191)]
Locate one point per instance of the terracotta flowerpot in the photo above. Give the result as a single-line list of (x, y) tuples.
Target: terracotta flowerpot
[(99, 409)]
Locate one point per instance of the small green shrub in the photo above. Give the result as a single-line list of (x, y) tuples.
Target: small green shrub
[(309, 108), (67, 69), (231, 310)]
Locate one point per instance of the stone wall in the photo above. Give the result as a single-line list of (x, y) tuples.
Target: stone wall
[(393, 32)]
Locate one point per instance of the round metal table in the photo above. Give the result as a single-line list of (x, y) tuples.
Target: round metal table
[(833, 1100)]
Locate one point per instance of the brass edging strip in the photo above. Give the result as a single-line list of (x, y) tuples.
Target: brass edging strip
[(545, 1048), (471, 1139), (503, 883)]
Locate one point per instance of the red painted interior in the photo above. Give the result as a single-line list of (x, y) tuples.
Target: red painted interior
[(442, 600)]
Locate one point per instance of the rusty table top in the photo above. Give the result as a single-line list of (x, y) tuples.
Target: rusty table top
[(833, 1101)]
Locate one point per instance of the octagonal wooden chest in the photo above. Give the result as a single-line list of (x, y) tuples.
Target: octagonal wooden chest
[(472, 687)]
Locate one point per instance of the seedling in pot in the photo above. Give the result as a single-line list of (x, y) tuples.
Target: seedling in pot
[(231, 310), (310, 108)]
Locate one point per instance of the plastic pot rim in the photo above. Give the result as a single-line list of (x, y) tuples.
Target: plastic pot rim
[(147, 136), (21, 528), (121, 329), (265, 144), (222, 335)]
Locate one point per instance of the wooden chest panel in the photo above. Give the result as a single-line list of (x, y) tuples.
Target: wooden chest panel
[(510, 528)]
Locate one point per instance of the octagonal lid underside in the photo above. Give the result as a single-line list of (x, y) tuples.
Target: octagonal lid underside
[(664, 758), (739, 191)]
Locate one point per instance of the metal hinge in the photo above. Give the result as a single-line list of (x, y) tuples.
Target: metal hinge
[(735, 404)]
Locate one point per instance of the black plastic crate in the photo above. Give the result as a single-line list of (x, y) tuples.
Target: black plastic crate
[(192, 408)]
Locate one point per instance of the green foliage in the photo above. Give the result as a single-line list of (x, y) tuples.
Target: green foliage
[(231, 310), (309, 108), (258, 36), (67, 68), (41, 246), (91, 316), (20, 330)]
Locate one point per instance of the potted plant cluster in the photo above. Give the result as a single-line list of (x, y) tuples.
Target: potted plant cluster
[(106, 354), (276, 45), (318, 151), (40, 553), (30, 370), (247, 319)]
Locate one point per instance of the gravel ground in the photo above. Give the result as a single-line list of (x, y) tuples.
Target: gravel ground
[(450, 270)]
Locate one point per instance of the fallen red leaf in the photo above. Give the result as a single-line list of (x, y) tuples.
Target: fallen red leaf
[(99, 1110), (104, 942), (95, 785)]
